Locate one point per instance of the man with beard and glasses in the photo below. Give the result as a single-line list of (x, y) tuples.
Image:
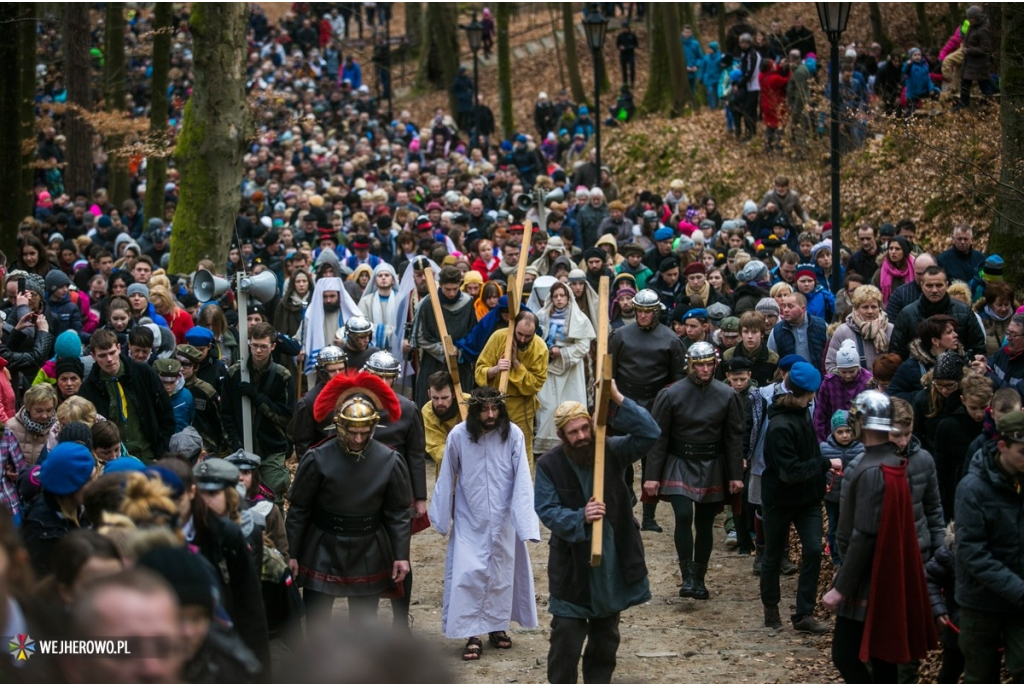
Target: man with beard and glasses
[(527, 370), (484, 498), (697, 460), (440, 416), (586, 601)]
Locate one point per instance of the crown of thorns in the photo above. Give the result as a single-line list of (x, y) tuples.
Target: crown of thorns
[(474, 401)]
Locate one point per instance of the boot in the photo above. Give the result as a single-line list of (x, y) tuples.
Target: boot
[(758, 559), (648, 522), (687, 590), (771, 617), (700, 591)]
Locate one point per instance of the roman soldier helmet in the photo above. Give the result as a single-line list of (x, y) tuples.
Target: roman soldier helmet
[(872, 410), (383, 364), (647, 299), (358, 325), (356, 401), (700, 352), (332, 354)]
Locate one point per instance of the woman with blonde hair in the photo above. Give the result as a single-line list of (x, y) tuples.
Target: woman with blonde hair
[(74, 409), (32, 424), (867, 325), (178, 320), (780, 290)]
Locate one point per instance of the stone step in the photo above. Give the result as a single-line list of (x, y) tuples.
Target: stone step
[(518, 52), (533, 48), (548, 42)]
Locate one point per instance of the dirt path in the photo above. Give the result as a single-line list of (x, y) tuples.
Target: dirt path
[(721, 640)]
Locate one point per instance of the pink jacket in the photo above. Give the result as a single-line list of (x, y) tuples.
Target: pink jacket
[(952, 45)]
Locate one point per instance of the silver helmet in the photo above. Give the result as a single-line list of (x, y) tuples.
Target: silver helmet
[(332, 354), (873, 410), (382, 364), (701, 352), (647, 299), (358, 325)]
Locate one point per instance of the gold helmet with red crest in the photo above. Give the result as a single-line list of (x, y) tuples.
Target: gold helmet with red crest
[(356, 401)]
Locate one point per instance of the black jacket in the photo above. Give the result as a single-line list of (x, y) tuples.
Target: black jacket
[(794, 474), (902, 296), (145, 394), (271, 408), (972, 336), (43, 528)]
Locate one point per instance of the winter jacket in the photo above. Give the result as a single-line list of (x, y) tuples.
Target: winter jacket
[(32, 444), (1006, 370), (794, 475), (960, 266), (746, 297), (773, 97), (784, 340), (849, 331), (764, 362), (836, 394), (995, 332), (353, 72), (901, 297), (25, 363), (184, 409), (462, 89), (710, 70), (43, 527), (788, 204), (590, 218), (67, 315), (989, 538), (907, 381), (972, 337), (919, 80), (924, 425), (978, 51), (821, 303), (271, 409), (830, 449), (694, 54), (951, 448)]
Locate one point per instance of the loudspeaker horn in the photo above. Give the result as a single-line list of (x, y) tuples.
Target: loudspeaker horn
[(262, 286), (208, 287), (556, 195), (523, 202)]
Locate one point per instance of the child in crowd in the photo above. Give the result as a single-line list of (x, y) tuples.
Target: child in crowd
[(839, 445), (839, 388)]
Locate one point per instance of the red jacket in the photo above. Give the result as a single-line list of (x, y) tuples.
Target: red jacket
[(180, 324), (773, 97)]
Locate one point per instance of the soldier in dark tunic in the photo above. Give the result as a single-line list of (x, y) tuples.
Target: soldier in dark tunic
[(358, 331), (348, 524), (646, 357), (406, 436), (697, 459), (304, 431)]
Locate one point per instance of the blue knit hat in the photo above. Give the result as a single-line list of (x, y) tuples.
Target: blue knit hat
[(804, 377), (122, 464), (199, 336), (68, 467), (787, 362), (841, 419), (663, 233), (67, 346)]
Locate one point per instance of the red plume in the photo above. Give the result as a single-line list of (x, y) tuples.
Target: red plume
[(363, 383)]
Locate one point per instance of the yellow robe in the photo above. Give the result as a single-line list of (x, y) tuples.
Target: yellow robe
[(523, 383), (436, 432)]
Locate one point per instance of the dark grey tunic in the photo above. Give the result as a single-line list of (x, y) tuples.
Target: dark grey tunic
[(406, 437), (645, 361), (331, 482), (695, 415)]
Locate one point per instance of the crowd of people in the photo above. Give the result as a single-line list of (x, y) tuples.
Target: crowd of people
[(880, 419)]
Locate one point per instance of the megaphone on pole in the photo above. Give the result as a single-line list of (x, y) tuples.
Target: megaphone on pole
[(262, 286), (209, 287), (523, 202), (556, 195)]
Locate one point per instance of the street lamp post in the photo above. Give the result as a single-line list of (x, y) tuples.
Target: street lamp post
[(475, 35), (595, 25), (833, 17)]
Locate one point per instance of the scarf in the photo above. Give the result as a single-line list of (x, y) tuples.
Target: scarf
[(875, 331), (33, 427), (382, 311), (995, 317), (315, 319), (116, 391), (890, 272), (701, 294)]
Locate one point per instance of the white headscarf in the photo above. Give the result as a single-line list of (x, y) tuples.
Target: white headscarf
[(406, 287), (382, 314), (315, 317)]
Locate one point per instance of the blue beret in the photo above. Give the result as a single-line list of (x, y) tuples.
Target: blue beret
[(123, 464), (199, 336), (786, 363), (68, 467), (804, 377), (696, 313), (663, 233)]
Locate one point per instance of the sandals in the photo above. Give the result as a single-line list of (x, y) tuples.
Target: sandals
[(473, 649), (500, 639)]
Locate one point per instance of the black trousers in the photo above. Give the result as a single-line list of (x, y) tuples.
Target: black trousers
[(846, 655), (628, 64), (567, 636), (400, 605), (690, 515), (320, 604)]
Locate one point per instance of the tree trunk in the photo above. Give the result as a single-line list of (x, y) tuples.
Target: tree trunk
[(687, 16), (27, 86), (156, 165), (79, 173), (1007, 235), (439, 58), (679, 83), (924, 25), (114, 77), (558, 49), (11, 182), (952, 18), (216, 126), (878, 33), (658, 96), (414, 26), (501, 16), (572, 60), (721, 25)]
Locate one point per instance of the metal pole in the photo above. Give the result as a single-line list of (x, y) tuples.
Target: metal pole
[(837, 283), (387, 69), (243, 353), (476, 104), (597, 116)]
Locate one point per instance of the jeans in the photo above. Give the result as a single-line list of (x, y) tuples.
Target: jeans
[(319, 606), (628, 64), (712, 93), (807, 521), (846, 638), (981, 634), (984, 85), (686, 512), (567, 636), (832, 511)]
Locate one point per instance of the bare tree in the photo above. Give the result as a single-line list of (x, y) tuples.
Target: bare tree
[(79, 172), (572, 60), (501, 18), (1007, 236), (114, 77), (156, 164)]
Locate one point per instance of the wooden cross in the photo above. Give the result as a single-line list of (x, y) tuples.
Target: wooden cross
[(603, 373), (451, 355), (515, 291)]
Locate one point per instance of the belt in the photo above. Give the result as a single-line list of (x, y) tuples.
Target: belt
[(347, 526), (699, 451), (640, 391)]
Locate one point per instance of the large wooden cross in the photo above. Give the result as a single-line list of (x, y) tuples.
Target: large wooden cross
[(515, 291), (603, 373), (451, 355)]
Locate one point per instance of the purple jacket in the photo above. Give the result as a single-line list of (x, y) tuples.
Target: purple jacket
[(834, 395)]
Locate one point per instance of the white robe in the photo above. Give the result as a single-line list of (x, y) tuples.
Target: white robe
[(566, 379), (484, 498)]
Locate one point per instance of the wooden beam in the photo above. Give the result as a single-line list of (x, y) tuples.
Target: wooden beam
[(604, 381), (451, 356), (515, 292)]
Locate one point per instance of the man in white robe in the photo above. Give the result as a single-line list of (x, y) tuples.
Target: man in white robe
[(379, 304), (328, 310), (484, 499)]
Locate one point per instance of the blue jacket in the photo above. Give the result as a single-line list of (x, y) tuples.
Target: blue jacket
[(709, 70), (353, 72), (67, 314), (817, 339), (184, 409), (821, 303), (694, 54), (919, 80)]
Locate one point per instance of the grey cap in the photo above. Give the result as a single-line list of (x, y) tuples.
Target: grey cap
[(216, 474), (188, 442), (718, 311), (244, 461)]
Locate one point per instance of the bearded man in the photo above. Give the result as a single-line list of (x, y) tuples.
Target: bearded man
[(586, 601)]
